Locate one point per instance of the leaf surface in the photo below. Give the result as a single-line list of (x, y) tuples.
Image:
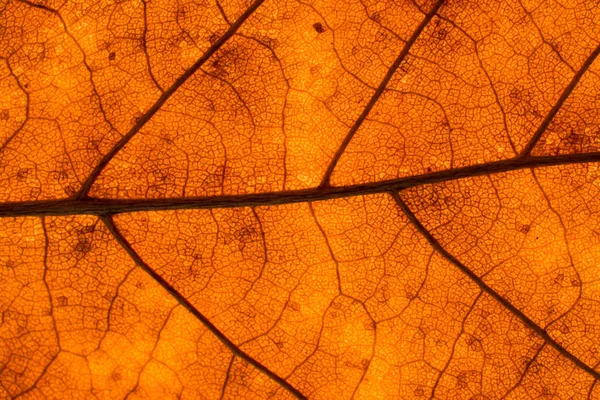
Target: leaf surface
[(289, 199)]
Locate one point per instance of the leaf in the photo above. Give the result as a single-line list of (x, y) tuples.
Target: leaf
[(282, 199)]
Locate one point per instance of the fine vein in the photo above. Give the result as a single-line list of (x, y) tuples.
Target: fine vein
[(490, 291), (87, 184), (559, 103), (108, 221), (380, 89)]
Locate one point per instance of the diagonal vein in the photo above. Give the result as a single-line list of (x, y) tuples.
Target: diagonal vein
[(491, 292), (108, 221), (89, 181), (559, 103), (97, 206), (380, 89)]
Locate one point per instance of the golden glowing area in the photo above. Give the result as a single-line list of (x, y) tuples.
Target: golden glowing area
[(285, 199)]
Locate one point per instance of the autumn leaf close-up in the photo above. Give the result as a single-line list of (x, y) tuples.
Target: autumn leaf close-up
[(299, 199)]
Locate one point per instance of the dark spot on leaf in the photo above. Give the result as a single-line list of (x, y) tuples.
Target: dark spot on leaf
[(83, 245), (564, 329), (450, 201), (213, 38), (319, 27), (245, 235), (486, 328), (524, 228), (365, 363), (441, 34), (474, 343), (573, 142), (226, 61), (559, 279), (62, 301), (112, 55), (270, 42), (4, 115), (136, 117), (88, 228), (515, 95), (22, 174), (70, 190), (376, 17)]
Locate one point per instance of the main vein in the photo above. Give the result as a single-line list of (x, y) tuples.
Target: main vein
[(95, 206)]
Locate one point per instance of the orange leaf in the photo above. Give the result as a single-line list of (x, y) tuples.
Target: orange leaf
[(281, 199)]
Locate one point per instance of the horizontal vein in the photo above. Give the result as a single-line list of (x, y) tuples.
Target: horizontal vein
[(559, 103), (108, 221), (96, 206), (487, 289), (87, 184), (411, 41)]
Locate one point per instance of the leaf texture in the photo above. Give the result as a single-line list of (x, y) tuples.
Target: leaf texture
[(299, 199)]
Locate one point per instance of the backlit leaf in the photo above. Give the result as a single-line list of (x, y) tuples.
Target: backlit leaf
[(285, 199)]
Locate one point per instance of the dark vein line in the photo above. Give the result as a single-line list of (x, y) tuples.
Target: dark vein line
[(329, 249), (51, 312), (411, 41), (265, 254), (87, 184), (83, 56), (27, 108), (110, 308), (488, 78), (40, 6), (151, 356), (564, 230), (95, 206), (145, 48), (227, 375), (451, 356), (487, 289), (559, 103), (591, 391), (528, 365), (223, 12), (108, 221)]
